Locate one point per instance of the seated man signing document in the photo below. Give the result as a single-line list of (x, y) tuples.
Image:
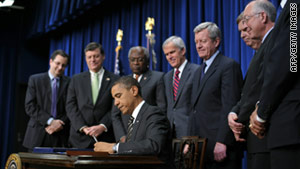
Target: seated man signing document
[(148, 128)]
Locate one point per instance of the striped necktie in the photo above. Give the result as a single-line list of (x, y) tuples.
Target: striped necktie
[(176, 84), (130, 128)]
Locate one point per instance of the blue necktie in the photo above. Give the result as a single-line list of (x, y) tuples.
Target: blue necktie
[(203, 70), (54, 97)]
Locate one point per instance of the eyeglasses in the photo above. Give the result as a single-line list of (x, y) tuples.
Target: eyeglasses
[(247, 18), (136, 59)]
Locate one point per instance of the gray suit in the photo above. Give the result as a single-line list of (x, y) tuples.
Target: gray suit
[(82, 112), (178, 111)]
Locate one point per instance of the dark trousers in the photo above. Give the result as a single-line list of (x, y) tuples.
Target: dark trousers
[(285, 157), (258, 160)]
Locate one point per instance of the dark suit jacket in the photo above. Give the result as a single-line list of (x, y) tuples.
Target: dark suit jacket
[(250, 96), (38, 108), (279, 99), (178, 111), (150, 134), (82, 112), (153, 92), (212, 99)]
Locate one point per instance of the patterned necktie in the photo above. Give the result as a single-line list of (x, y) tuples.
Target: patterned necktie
[(54, 97), (130, 128), (176, 84), (203, 70), (95, 86), (137, 77)]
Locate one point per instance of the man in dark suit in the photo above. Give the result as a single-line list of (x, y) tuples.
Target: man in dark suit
[(147, 132), (258, 156), (179, 106), (152, 86), (89, 101), (278, 112), (216, 89), (45, 104)]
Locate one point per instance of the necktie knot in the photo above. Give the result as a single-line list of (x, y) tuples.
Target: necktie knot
[(137, 77), (177, 72)]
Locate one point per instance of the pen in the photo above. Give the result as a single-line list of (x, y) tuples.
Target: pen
[(95, 138)]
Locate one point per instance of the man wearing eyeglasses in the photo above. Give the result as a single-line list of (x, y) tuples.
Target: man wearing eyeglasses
[(45, 105), (151, 83), (258, 21)]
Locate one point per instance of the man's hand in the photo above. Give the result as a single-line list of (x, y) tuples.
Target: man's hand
[(55, 126), (220, 152), (256, 127), (94, 130), (236, 127), (104, 147), (186, 149)]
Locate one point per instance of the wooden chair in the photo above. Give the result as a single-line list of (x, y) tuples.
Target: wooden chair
[(194, 159)]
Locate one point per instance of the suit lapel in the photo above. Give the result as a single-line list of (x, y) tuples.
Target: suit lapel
[(47, 84), (185, 75), (104, 84), (138, 119), (211, 70), (146, 77), (62, 85), (86, 83), (169, 86)]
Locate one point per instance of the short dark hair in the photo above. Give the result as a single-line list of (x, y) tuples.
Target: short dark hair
[(94, 45), (127, 82), (60, 52)]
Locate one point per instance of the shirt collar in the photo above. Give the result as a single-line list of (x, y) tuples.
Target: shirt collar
[(182, 66), (137, 110), (266, 35), (99, 72), (51, 76), (211, 59)]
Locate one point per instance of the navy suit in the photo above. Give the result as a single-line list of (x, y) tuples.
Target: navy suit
[(212, 99), (153, 89), (82, 112), (38, 108), (178, 111)]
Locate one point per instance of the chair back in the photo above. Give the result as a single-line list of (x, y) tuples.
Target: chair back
[(194, 158)]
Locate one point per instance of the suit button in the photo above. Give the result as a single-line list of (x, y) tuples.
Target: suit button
[(174, 109)]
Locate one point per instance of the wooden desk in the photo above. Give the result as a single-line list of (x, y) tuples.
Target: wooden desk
[(81, 160)]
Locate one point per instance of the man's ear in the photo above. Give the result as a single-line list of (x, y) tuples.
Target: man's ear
[(134, 90)]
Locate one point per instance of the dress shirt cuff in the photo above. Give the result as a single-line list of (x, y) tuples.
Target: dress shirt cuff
[(233, 113), (116, 148), (81, 129), (260, 119), (50, 120), (104, 127)]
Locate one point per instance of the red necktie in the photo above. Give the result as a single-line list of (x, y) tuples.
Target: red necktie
[(176, 83)]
